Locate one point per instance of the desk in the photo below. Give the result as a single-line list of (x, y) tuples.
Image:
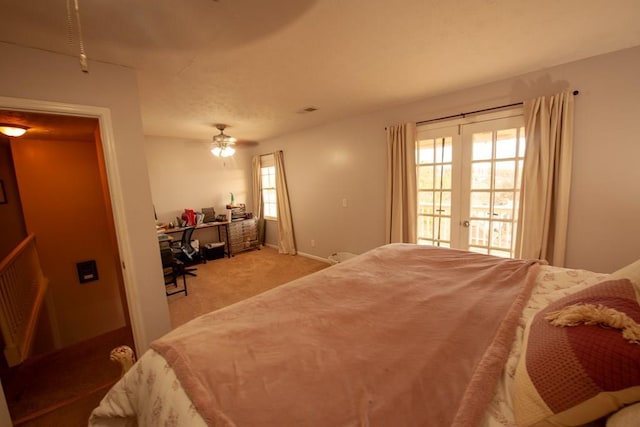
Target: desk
[(217, 225), (164, 238)]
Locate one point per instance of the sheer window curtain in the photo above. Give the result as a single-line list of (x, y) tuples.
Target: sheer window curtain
[(546, 180), (256, 181), (401, 192), (256, 175), (286, 238)]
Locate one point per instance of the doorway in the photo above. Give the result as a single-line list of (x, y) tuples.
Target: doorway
[(469, 173), (62, 182)]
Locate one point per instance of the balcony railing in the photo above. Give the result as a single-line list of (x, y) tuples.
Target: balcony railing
[(22, 291), (494, 231)]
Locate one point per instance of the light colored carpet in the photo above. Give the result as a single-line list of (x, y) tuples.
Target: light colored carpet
[(224, 281)]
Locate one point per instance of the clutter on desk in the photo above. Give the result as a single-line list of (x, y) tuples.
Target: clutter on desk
[(209, 214), (237, 212), (188, 217)]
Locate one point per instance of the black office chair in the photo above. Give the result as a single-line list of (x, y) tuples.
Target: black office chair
[(187, 253), (172, 269)]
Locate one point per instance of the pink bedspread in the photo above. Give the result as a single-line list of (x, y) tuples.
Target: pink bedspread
[(403, 335)]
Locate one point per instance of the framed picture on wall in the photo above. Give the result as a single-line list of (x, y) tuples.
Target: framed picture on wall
[(3, 194)]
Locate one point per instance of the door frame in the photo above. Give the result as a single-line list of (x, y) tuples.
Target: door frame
[(455, 128), (115, 190)]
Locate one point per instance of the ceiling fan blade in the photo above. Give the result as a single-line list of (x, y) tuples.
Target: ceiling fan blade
[(245, 143)]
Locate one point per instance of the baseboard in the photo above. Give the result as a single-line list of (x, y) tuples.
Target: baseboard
[(304, 254), (317, 258)]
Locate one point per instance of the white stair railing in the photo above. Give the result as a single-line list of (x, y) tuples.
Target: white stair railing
[(22, 291)]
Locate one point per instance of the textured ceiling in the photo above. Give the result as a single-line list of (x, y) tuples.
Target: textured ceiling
[(255, 64)]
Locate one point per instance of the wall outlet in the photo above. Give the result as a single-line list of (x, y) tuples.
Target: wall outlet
[(313, 243), (344, 202)]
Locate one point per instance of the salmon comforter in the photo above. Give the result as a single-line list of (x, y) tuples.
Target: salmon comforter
[(403, 335)]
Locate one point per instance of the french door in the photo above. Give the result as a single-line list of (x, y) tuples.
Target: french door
[(469, 177)]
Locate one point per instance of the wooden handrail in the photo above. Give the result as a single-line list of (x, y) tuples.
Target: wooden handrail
[(22, 291)]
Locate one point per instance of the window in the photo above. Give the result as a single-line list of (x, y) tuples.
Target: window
[(268, 172), (468, 179)]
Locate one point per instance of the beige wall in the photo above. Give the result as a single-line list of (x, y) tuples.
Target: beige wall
[(184, 174), (346, 159), (63, 203)]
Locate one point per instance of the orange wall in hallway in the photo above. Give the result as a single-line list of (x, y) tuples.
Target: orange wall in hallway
[(64, 206)]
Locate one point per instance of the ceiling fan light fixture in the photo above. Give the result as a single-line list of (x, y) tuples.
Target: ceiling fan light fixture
[(223, 143), (223, 151), (13, 130)]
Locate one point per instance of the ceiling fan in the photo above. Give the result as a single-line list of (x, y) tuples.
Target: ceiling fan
[(223, 143)]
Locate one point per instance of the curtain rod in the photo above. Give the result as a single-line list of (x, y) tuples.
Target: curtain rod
[(575, 92), (268, 154)]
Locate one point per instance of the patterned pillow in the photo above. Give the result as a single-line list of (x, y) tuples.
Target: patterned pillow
[(569, 376)]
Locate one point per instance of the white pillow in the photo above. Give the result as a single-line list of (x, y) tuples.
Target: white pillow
[(625, 417), (631, 272)]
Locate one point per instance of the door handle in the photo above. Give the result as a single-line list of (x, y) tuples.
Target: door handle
[(466, 223)]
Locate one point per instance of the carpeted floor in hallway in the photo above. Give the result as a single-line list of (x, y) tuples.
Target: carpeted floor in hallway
[(224, 281)]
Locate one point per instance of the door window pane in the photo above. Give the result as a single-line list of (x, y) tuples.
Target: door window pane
[(480, 204), (443, 176), (482, 146), (425, 151), (444, 154), (480, 175), (425, 202), (503, 204), (506, 143), (425, 176), (505, 175)]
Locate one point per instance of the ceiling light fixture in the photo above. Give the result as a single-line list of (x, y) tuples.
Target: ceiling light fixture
[(13, 130), (224, 143)]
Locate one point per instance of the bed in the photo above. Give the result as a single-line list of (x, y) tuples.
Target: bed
[(403, 335)]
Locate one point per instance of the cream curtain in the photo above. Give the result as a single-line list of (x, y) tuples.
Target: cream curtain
[(256, 175), (286, 238), (401, 193), (546, 180)]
